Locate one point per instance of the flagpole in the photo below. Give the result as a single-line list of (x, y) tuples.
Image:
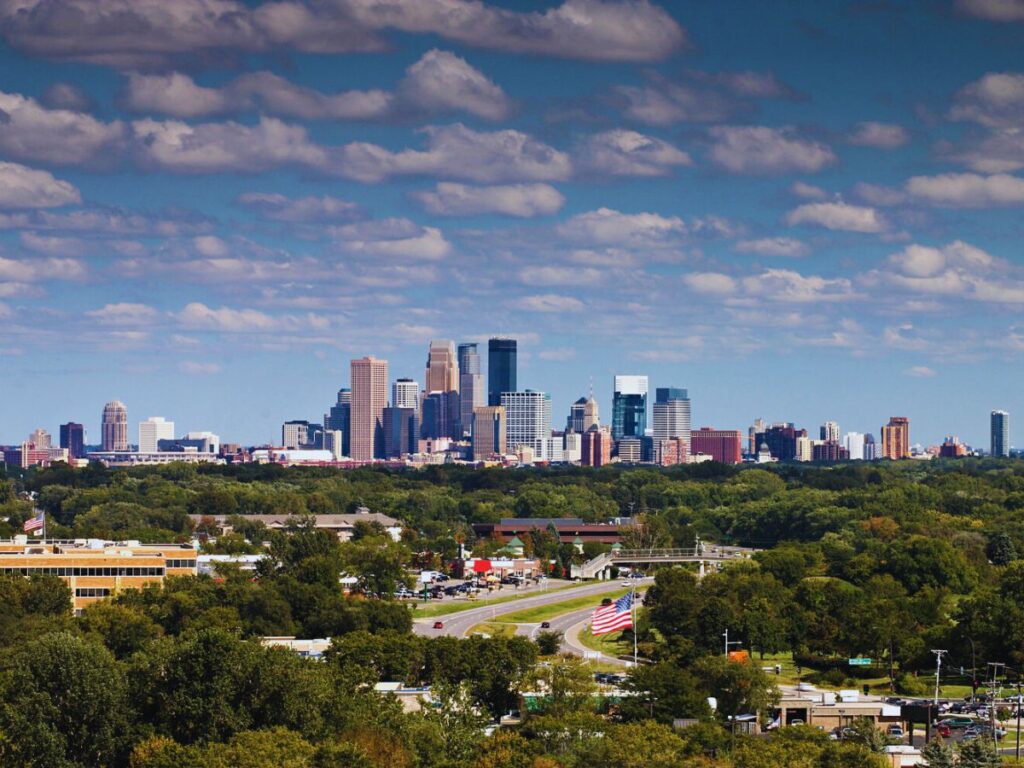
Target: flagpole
[(633, 607)]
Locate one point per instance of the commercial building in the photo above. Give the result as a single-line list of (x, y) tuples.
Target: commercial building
[(138, 458), (72, 438), (95, 569), (369, 399), (854, 442), (999, 442), (583, 414), (339, 419), (501, 368), (871, 448), (489, 432), (527, 421), (830, 431), (724, 445), (114, 426), (830, 451), (471, 387), (572, 447), (671, 415), (670, 451), (29, 455), (896, 438), (442, 370), (405, 393), (439, 415), (629, 407), (401, 432), (152, 430), (952, 448), (781, 440), (294, 433), (343, 526), (631, 450), (334, 441), (804, 449), (567, 528), (596, 447)]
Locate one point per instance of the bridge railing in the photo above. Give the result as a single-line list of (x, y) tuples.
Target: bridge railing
[(695, 553)]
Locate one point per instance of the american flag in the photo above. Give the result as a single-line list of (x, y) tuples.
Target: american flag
[(35, 523), (613, 617)]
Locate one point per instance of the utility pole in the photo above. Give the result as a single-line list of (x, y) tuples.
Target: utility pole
[(938, 670), (993, 692), (728, 643), (1017, 750)]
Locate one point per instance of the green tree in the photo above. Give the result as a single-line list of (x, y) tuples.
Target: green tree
[(938, 754), (978, 753), (738, 687), (123, 630), (64, 705), (548, 643), (1000, 549), (643, 745)]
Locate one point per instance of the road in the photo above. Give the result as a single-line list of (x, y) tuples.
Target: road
[(458, 624)]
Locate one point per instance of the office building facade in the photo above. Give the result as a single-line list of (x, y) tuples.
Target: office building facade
[(369, 399), (489, 432), (401, 431), (471, 387), (896, 438), (72, 437), (442, 372), (999, 437), (671, 414), (114, 426), (724, 445), (294, 433), (527, 421), (405, 393), (629, 407), (502, 364), (339, 417), (829, 432), (596, 447), (152, 431)]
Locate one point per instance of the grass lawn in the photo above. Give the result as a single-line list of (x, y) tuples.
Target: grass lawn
[(551, 610), (493, 628), (610, 645), (421, 610)]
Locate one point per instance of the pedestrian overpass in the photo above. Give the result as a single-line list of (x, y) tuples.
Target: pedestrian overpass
[(703, 554)]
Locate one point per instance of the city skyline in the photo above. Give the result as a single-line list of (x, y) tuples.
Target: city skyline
[(733, 198)]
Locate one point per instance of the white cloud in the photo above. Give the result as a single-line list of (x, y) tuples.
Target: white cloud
[(123, 313), (838, 216), (879, 135), (807, 191), (548, 302), (628, 153), (558, 275), (922, 261), (785, 285), (455, 151), (773, 246), (557, 354), (920, 372), (967, 190), (440, 82), (52, 246), (521, 200), (58, 136), (606, 225), (995, 100), (22, 187), (211, 147), (394, 238), (714, 283), (993, 10), (228, 320), (763, 150), (155, 33), (876, 194), (199, 368), (37, 270), (1001, 151), (303, 209)]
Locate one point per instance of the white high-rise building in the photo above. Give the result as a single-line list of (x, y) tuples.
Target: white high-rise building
[(152, 430), (671, 414), (804, 449), (333, 443), (405, 393), (854, 442), (830, 432), (527, 421)]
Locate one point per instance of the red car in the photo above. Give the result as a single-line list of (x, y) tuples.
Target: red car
[(943, 730), (438, 625)]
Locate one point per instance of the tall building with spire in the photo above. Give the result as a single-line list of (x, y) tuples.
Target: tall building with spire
[(114, 426), (369, 399), (442, 367), (471, 387)]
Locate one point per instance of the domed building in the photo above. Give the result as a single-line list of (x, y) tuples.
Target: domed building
[(114, 426)]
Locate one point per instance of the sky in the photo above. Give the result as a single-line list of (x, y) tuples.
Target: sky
[(800, 211)]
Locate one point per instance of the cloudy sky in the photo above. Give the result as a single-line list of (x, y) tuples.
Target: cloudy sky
[(800, 211)]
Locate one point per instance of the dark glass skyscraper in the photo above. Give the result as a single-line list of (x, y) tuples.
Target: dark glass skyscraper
[(72, 437), (629, 407), (501, 369), (340, 417)]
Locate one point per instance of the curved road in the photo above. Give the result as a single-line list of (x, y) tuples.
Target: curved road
[(458, 624)]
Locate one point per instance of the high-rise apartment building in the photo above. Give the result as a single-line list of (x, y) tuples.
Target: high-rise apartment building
[(369, 399), (671, 414), (501, 368), (294, 433), (152, 431), (339, 419), (527, 421), (629, 407), (871, 452), (830, 432), (829, 451), (999, 442), (722, 445), (471, 387), (405, 393), (804, 448), (753, 431), (114, 426), (854, 442), (41, 439), (442, 367), (489, 432), (72, 437), (896, 438)]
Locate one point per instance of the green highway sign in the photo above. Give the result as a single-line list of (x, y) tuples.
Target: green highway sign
[(860, 662)]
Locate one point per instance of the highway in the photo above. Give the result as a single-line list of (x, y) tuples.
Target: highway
[(458, 624)]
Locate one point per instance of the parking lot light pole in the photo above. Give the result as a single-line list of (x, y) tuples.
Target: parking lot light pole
[(1017, 750)]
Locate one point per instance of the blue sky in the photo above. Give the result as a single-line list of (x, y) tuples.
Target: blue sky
[(799, 211)]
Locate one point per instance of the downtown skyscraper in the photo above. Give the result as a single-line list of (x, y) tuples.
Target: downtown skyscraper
[(501, 368), (114, 426), (471, 387), (629, 407), (999, 437), (369, 399)]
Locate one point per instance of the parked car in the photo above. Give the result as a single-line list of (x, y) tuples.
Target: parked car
[(438, 625), (957, 722), (944, 730), (545, 625), (895, 731)]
